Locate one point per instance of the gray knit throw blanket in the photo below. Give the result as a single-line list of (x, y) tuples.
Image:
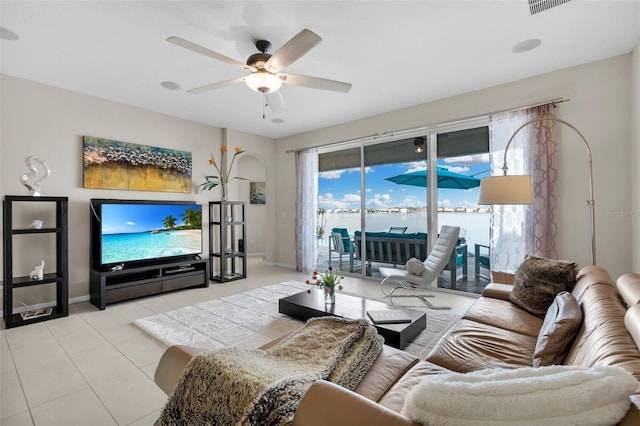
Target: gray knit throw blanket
[(263, 387)]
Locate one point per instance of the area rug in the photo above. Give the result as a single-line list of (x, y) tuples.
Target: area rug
[(251, 319)]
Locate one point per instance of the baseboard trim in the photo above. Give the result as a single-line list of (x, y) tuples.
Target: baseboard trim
[(72, 300)]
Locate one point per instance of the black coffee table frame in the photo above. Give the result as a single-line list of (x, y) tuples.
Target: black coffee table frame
[(303, 306)]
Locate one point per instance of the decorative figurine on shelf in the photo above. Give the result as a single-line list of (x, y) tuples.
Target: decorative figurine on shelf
[(37, 175), (37, 224), (37, 274)]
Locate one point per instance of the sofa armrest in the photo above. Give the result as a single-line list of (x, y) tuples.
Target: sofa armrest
[(327, 404), (497, 291), (172, 364)]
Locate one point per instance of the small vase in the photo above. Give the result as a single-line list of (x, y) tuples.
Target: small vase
[(329, 296), (223, 187)]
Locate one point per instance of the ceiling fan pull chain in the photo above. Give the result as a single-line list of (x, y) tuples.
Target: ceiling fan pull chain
[(264, 106)]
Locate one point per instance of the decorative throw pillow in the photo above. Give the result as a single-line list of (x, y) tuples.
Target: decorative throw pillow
[(414, 266), (558, 330), (556, 395), (538, 280)]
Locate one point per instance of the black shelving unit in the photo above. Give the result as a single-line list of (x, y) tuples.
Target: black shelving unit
[(61, 275), (227, 250)]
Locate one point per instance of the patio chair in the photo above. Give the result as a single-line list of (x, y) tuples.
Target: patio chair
[(398, 229), (482, 254), (341, 244), (434, 264)]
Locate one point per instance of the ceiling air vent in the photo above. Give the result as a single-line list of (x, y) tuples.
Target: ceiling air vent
[(537, 6)]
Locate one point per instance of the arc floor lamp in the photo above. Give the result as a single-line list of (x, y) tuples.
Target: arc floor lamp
[(518, 189)]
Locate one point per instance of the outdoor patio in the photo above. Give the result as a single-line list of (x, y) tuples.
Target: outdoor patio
[(468, 284)]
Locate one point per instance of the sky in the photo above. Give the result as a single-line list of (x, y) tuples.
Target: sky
[(130, 218), (340, 189)]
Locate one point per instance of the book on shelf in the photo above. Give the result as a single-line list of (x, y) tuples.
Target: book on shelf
[(389, 316)]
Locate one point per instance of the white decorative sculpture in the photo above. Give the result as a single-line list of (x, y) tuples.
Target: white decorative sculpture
[(37, 174), (36, 224), (37, 273)]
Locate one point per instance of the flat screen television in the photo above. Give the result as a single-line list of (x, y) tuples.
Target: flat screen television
[(134, 232)]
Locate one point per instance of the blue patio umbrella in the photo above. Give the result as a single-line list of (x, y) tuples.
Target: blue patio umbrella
[(446, 179)]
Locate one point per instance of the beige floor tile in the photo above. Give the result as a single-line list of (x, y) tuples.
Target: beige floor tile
[(100, 364), (147, 420), (81, 408), (122, 332), (12, 399), (6, 361), (27, 336), (131, 311), (130, 397), (81, 341), (41, 353), (20, 419), (142, 350), (51, 381), (150, 369), (72, 324)]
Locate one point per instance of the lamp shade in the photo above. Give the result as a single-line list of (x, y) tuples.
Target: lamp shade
[(506, 190)]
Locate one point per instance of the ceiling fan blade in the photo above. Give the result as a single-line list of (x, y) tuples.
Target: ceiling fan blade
[(208, 52), (293, 50), (275, 101), (214, 86), (315, 82)]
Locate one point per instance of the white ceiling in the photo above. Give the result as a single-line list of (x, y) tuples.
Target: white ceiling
[(396, 54)]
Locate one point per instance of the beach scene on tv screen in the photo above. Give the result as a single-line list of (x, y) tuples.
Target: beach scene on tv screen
[(133, 232)]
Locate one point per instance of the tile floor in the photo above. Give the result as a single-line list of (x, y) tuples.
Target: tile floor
[(96, 368)]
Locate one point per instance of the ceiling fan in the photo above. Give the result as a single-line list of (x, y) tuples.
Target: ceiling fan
[(265, 69)]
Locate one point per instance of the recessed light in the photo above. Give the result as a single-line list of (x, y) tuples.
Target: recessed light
[(6, 34), (277, 120), (170, 85), (527, 45)]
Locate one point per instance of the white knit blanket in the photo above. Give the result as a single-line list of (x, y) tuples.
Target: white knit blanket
[(556, 395)]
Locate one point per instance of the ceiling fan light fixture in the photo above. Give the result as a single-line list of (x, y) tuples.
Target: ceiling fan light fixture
[(263, 81)]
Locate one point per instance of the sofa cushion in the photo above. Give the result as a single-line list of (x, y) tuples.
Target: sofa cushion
[(556, 395), (471, 345), (504, 314), (538, 280), (558, 330)]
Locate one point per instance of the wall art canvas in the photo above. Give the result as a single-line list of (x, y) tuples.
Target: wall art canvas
[(257, 192), (110, 164)]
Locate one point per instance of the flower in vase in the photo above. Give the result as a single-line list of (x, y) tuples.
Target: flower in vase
[(221, 179), (328, 281)]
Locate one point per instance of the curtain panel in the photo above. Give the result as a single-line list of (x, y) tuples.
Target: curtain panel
[(306, 208), (517, 230)]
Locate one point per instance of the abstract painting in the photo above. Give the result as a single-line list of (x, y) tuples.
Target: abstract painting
[(110, 164)]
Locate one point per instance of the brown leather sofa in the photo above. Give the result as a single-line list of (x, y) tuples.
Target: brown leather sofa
[(492, 333)]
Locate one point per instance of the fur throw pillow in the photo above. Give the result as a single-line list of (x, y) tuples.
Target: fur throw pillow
[(556, 395), (414, 266), (537, 282)]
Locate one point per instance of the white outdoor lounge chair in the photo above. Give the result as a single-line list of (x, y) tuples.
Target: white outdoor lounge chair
[(434, 264)]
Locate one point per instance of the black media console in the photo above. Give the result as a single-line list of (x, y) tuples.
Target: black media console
[(118, 285)]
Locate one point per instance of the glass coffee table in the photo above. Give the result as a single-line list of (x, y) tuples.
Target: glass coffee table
[(303, 306)]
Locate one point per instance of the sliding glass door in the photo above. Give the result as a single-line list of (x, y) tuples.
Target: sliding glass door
[(371, 193)]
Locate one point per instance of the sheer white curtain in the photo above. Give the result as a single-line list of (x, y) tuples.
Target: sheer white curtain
[(306, 206), (517, 230)]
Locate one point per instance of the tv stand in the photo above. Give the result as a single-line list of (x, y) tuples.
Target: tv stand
[(116, 286)]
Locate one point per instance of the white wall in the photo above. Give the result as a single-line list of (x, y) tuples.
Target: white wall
[(635, 156), (599, 107), (49, 122)]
